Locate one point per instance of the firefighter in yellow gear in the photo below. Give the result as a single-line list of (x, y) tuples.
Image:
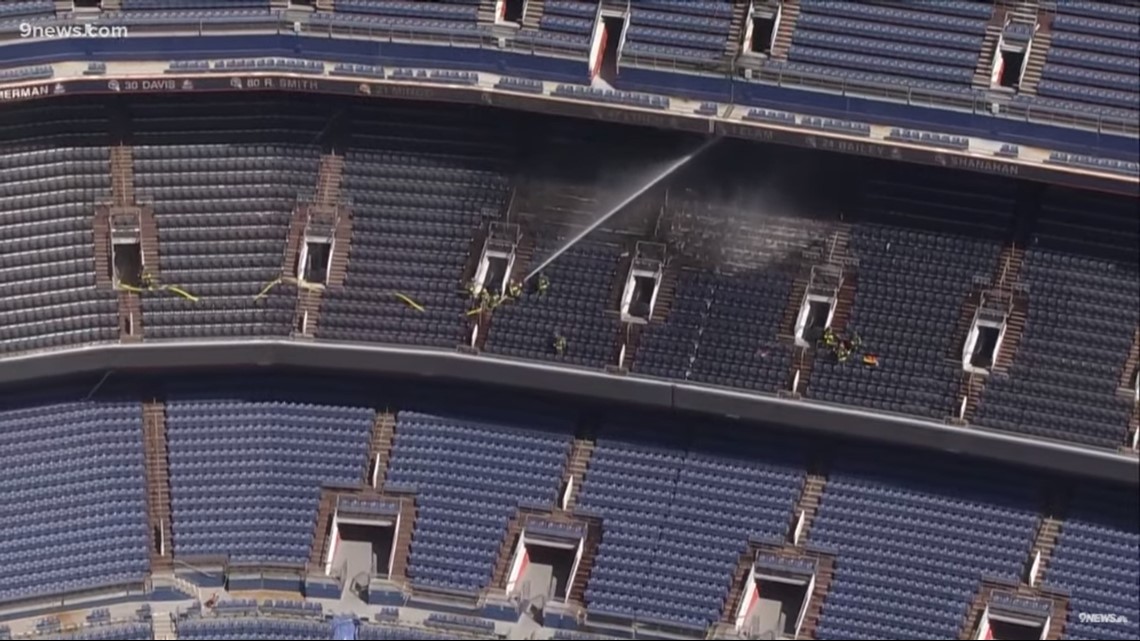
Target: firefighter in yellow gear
[(560, 345), (842, 353), (829, 339), (515, 290), (543, 284)]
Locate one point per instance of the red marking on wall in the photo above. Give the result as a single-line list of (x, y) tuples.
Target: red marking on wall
[(605, 36)]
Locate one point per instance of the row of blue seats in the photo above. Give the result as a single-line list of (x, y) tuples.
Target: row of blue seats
[(718, 26), (1095, 61), (892, 49), (928, 71), (960, 16), (1105, 164), (927, 138), (944, 40), (132, 5), (834, 124), (1128, 31), (1128, 84), (358, 70), (1124, 13), (20, 8), (387, 24), (573, 8), (527, 85), (1128, 101), (611, 96), (1095, 44), (27, 73), (184, 18), (429, 10)]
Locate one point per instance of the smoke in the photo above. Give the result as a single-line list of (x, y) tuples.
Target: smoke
[(608, 211), (749, 219)]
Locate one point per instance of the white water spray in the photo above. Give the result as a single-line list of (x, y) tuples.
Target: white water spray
[(665, 173)]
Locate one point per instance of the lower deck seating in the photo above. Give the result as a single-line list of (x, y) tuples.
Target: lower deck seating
[(914, 537), (246, 468), (470, 477), (73, 515), (108, 632), (677, 519), (208, 629), (1097, 559)]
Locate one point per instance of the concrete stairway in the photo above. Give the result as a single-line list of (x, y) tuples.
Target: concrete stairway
[(534, 12), (408, 512), (380, 449), (130, 317), (162, 625), (101, 234), (307, 314), (983, 72), (487, 12), (329, 178), (157, 473), (507, 551), (824, 574), (736, 588), (666, 293), (576, 465), (122, 175), (795, 300), (1131, 367), (586, 565), (1038, 51), (341, 249), (294, 238), (783, 42), (319, 545), (808, 502), (733, 45), (1045, 540)]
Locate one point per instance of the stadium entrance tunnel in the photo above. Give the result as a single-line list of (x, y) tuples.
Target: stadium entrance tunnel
[(776, 597), (1012, 66), (313, 265), (127, 262), (363, 537), (985, 347), (1008, 616), (513, 10), (761, 32), (546, 560), (608, 45)]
